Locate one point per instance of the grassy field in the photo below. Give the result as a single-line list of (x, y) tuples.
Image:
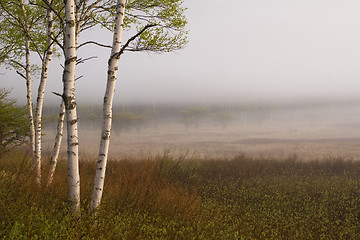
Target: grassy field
[(165, 198)]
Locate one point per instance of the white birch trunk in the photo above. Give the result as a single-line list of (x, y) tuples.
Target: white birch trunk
[(28, 76), (40, 97), (107, 107), (58, 139), (70, 107), (29, 96)]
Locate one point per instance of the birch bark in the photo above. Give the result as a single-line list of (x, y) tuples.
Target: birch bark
[(60, 125), (28, 75), (58, 139), (41, 91), (107, 106), (70, 107)]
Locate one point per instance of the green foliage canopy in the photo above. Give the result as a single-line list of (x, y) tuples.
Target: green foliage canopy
[(152, 25), (14, 123), (167, 17), (17, 26)]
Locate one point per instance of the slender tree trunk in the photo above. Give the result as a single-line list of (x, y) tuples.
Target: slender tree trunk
[(60, 126), (29, 96), (41, 91), (107, 106), (70, 107), (28, 76), (58, 139)]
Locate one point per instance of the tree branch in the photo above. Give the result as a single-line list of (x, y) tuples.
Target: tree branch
[(93, 42), (86, 11), (56, 41), (19, 64), (57, 94), (132, 39), (60, 95), (22, 75), (78, 78), (57, 13), (81, 60)]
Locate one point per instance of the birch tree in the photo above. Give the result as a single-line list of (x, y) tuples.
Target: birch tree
[(107, 106), (79, 16), (73, 17), (16, 26), (26, 29), (41, 90), (70, 106), (44, 48), (58, 139), (159, 27), (35, 36), (23, 31)]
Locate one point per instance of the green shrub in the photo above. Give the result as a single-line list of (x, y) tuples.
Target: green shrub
[(14, 123)]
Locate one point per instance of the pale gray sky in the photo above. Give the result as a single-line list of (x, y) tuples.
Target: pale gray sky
[(245, 50)]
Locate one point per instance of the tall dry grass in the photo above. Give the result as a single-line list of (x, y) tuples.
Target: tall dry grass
[(165, 198), (131, 187)]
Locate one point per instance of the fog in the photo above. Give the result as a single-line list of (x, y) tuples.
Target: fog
[(238, 51), (285, 73), (319, 131)]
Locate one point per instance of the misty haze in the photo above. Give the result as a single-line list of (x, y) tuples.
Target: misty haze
[(319, 130), (227, 119), (255, 55), (253, 51)]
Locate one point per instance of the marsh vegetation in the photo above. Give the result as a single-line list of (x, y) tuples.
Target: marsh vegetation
[(166, 198)]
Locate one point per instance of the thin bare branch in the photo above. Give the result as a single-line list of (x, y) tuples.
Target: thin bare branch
[(60, 95), (86, 11), (133, 38), (57, 94), (57, 13), (93, 42), (81, 60), (22, 75), (54, 39), (78, 78), (19, 64)]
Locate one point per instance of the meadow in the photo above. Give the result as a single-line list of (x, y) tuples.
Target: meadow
[(163, 197)]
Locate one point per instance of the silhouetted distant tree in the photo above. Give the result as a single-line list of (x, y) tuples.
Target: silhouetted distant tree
[(194, 116)]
